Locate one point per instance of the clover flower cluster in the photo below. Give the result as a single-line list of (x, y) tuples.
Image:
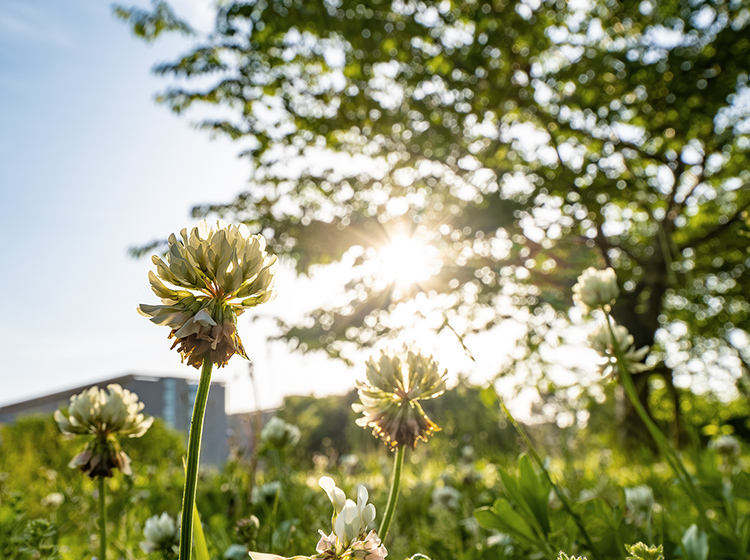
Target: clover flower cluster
[(279, 434), (390, 397), (160, 533), (596, 289), (218, 273), (352, 536), (600, 339), (103, 415)]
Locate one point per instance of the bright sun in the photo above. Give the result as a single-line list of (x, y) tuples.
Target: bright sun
[(407, 261)]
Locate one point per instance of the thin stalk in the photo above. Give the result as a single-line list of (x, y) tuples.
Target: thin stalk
[(540, 463), (193, 456), (102, 518), (659, 438), (398, 464)]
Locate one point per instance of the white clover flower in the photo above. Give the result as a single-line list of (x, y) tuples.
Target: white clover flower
[(600, 340), (279, 434), (105, 415), (53, 500), (218, 272), (728, 448), (390, 397), (726, 445), (265, 493), (639, 501), (596, 289), (351, 537), (160, 533)]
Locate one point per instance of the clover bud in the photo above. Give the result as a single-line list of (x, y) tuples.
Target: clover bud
[(279, 434)]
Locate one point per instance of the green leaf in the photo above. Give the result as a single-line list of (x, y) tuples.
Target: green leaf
[(199, 539), (695, 544), (535, 490), (502, 517)]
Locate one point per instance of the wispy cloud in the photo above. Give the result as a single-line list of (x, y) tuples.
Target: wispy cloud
[(20, 22)]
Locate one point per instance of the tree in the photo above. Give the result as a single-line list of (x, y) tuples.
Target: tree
[(522, 140)]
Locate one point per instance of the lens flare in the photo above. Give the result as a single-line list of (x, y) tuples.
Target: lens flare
[(407, 261)]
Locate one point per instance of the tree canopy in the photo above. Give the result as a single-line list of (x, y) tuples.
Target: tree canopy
[(520, 140)]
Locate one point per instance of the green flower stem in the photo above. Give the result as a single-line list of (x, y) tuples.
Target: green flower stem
[(193, 456), (540, 463), (669, 454), (102, 518), (398, 464)]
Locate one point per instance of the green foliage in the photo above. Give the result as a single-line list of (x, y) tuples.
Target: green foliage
[(522, 141), (51, 512), (149, 25)]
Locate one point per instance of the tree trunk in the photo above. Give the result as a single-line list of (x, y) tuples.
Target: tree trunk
[(639, 312)]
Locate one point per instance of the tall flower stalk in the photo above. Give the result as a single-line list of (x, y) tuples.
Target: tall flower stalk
[(390, 398), (390, 508), (193, 457), (103, 416), (217, 273), (598, 290)]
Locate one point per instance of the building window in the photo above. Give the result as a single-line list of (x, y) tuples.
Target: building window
[(170, 402), (192, 391)]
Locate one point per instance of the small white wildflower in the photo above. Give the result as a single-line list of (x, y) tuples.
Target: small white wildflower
[(265, 493), (600, 339), (596, 289), (53, 500), (726, 445), (639, 501), (279, 434), (160, 533)]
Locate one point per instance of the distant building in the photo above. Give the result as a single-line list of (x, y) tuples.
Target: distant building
[(168, 398)]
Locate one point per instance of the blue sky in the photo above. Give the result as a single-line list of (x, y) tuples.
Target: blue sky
[(90, 165)]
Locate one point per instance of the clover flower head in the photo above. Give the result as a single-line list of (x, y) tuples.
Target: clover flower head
[(247, 529), (600, 340), (265, 493), (390, 397), (352, 536), (160, 533), (728, 449), (279, 434), (642, 551), (217, 273), (103, 415), (727, 446), (639, 501), (53, 500), (596, 289), (563, 556)]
